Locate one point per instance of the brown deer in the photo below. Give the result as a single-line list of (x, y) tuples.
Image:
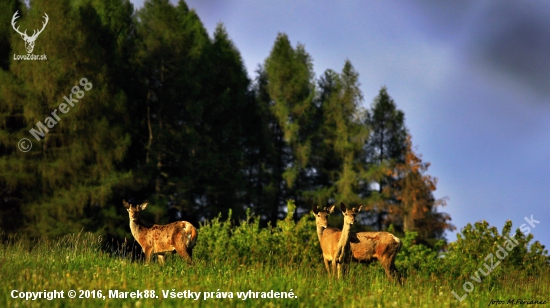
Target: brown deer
[(335, 243), (179, 236), (365, 246)]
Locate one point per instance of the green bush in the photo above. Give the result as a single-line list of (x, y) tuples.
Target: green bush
[(479, 249), (285, 244), (296, 243), (478, 245), (418, 259)]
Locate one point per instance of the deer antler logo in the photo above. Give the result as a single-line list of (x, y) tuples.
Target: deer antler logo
[(29, 40)]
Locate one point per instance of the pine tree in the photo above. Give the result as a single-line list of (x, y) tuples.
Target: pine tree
[(385, 147), (337, 159), (225, 128), (291, 89), (74, 169), (170, 50), (268, 153), (388, 131), (198, 115)]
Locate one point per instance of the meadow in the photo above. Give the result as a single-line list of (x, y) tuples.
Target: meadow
[(247, 266)]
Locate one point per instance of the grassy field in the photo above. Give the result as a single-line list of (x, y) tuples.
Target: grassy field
[(77, 263)]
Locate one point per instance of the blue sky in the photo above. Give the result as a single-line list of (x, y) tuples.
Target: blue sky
[(472, 78)]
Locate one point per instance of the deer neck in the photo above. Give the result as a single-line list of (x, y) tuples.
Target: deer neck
[(136, 227), (344, 237), (320, 232)]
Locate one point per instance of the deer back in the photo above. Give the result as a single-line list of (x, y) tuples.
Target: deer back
[(368, 246)]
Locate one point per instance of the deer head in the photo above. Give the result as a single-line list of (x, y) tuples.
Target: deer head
[(133, 211), (349, 214), (29, 40), (321, 215)]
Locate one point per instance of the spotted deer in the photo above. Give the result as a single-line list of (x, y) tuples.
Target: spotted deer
[(335, 243), (179, 236), (365, 246)]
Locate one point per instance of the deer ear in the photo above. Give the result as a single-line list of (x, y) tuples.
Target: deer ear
[(331, 209), (359, 209), (126, 204), (343, 207), (142, 206), (315, 210)]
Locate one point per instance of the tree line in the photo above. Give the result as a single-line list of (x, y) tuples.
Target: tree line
[(174, 119)]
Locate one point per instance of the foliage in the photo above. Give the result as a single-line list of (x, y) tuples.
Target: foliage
[(476, 245), (388, 131), (82, 262), (289, 242), (339, 141), (289, 91), (418, 259), (296, 243), (414, 206), (75, 167), (406, 200), (384, 148), (174, 120)]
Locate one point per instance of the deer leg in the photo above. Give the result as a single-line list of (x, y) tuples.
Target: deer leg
[(147, 252), (395, 273), (335, 268), (160, 257), (385, 263), (182, 251), (340, 268), (327, 266), (391, 271)]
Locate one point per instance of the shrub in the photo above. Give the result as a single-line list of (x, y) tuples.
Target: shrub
[(471, 251), (296, 244), (286, 243), (418, 259), (475, 244)]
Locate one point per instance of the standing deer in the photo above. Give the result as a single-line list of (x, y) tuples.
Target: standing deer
[(29, 40), (365, 246), (179, 236), (335, 244)]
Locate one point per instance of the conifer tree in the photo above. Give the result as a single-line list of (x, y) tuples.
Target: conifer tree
[(385, 147), (337, 159), (291, 89), (147, 106), (196, 113), (170, 50), (225, 127), (268, 154), (74, 168)]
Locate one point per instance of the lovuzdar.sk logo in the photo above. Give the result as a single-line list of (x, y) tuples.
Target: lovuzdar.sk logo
[(29, 40)]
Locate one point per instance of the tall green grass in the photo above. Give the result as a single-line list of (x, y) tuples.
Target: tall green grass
[(286, 258)]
